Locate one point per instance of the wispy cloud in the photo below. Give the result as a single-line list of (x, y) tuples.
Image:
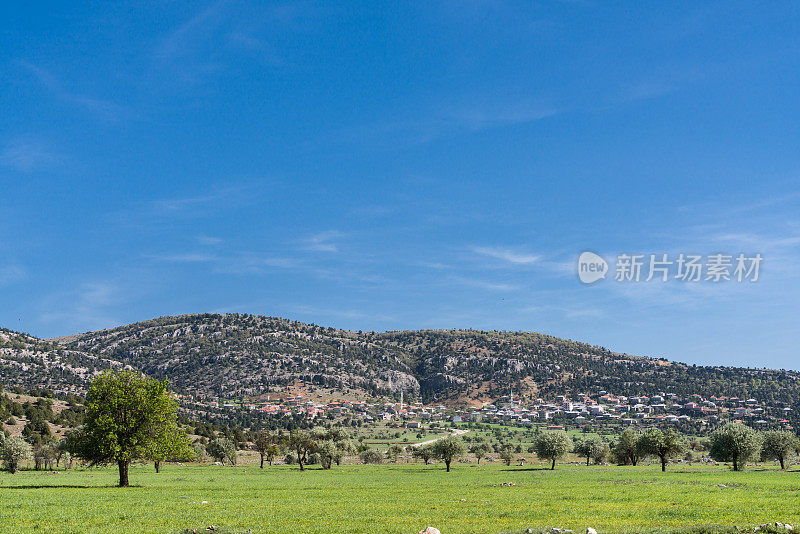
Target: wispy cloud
[(324, 241), (85, 308), (487, 285), (507, 255), (27, 155), (103, 109)]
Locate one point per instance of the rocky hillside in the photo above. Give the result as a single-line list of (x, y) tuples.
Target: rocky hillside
[(34, 363), (233, 354)]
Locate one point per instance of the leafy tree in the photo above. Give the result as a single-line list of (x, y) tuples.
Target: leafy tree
[(553, 445), (172, 445), (425, 453), (626, 449), (592, 448), (736, 443), (507, 453), (332, 445), (480, 450), (222, 449), (447, 449), (14, 451), (303, 445), (126, 414), (665, 444), (779, 445), (268, 446)]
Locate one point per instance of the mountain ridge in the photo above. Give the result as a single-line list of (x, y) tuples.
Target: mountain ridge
[(233, 355)]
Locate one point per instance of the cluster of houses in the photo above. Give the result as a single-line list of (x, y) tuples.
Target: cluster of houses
[(579, 410)]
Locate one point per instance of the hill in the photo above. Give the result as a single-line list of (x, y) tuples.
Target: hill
[(233, 355), (35, 363)]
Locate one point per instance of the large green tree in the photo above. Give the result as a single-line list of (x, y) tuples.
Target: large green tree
[(779, 445), (736, 443), (127, 416), (665, 444), (552, 445)]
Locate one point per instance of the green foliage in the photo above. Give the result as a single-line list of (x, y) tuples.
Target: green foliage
[(222, 450), (736, 443), (480, 450), (592, 448), (779, 445), (371, 456), (332, 445), (448, 449), (627, 449), (302, 445), (665, 444), (553, 445), (424, 453), (127, 416), (14, 452)]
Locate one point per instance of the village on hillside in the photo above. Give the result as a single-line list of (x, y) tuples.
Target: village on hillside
[(598, 410)]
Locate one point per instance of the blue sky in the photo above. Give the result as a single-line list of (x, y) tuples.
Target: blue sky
[(386, 166)]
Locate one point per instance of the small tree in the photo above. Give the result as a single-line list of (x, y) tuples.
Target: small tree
[(665, 444), (425, 453), (370, 456), (778, 445), (447, 449), (592, 448), (268, 446), (332, 445), (303, 445), (553, 445), (14, 451), (126, 413), (736, 443), (480, 450), (394, 451), (626, 449), (172, 446), (507, 453), (222, 449)]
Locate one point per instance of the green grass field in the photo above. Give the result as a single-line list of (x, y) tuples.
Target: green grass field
[(399, 498)]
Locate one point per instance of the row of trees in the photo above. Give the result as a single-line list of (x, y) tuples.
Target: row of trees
[(733, 442)]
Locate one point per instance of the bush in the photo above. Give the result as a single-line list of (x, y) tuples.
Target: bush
[(371, 457)]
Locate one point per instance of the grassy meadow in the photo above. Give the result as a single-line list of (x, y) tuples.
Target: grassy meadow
[(398, 498)]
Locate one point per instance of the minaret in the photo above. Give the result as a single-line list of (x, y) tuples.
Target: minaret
[(512, 398), (401, 400)]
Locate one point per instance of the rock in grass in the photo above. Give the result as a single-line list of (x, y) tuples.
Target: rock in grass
[(430, 530), (590, 530)]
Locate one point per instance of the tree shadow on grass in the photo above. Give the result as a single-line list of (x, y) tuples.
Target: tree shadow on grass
[(521, 469), (63, 486)]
